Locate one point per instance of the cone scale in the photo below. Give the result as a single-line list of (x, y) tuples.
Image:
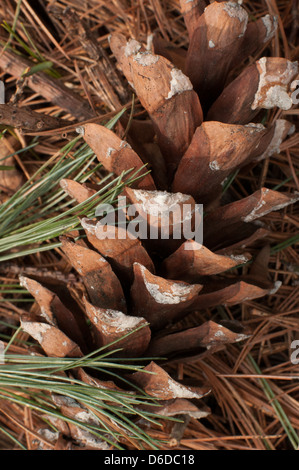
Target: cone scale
[(205, 128)]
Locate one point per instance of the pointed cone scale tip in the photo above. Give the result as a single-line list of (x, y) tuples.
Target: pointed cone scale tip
[(160, 385), (166, 93), (161, 209), (181, 406), (76, 190), (82, 259), (155, 202), (187, 5), (198, 261), (43, 297), (122, 49), (264, 84), (113, 325), (248, 209), (216, 150), (214, 43), (53, 341), (101, 283), (270, 24), (270, 201), (89, 225), (121, 249), (248, 292), (115, 154), (257, 34), (208, 335), (159, 300), (55, 313), (275, 76), (103, 384), (165, 80), (282, 129), (232, 294)]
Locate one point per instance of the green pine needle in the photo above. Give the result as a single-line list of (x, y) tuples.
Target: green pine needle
[(40, 211), (30, 381), (274, 402)]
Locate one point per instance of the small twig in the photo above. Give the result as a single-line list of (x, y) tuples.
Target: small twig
[(51, 89), (25, 118)]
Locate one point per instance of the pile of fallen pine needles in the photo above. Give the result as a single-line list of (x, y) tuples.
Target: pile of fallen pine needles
[(255, 385)]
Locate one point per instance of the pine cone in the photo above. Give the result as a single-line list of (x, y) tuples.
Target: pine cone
[(204, 125)]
